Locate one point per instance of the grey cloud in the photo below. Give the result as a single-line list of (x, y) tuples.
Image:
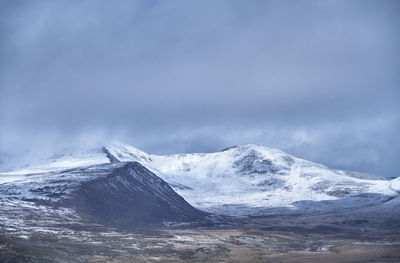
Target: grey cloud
[(316, 78)]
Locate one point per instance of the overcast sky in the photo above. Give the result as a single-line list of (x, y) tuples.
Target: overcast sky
[(318, 79)]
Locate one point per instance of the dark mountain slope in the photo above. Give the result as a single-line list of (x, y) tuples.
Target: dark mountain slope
[(130, 196)]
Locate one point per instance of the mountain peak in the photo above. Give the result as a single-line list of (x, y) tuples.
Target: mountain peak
[(119, 152)]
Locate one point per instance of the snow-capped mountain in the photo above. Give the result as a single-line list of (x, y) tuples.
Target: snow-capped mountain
[(251, 176), (247, 176), (120, 186)]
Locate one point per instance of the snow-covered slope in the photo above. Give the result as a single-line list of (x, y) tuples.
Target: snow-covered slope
[(251, 176), (395, 184), (247, 176), (65, 159)]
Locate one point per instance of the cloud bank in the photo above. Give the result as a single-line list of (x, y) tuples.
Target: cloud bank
[(318, 79)]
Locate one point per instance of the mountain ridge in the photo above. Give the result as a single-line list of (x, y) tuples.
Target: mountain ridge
[(247, 175)]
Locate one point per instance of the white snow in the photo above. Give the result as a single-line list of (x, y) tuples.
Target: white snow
[(246, 176), (395, 184), (220, 179), (77, 158)]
